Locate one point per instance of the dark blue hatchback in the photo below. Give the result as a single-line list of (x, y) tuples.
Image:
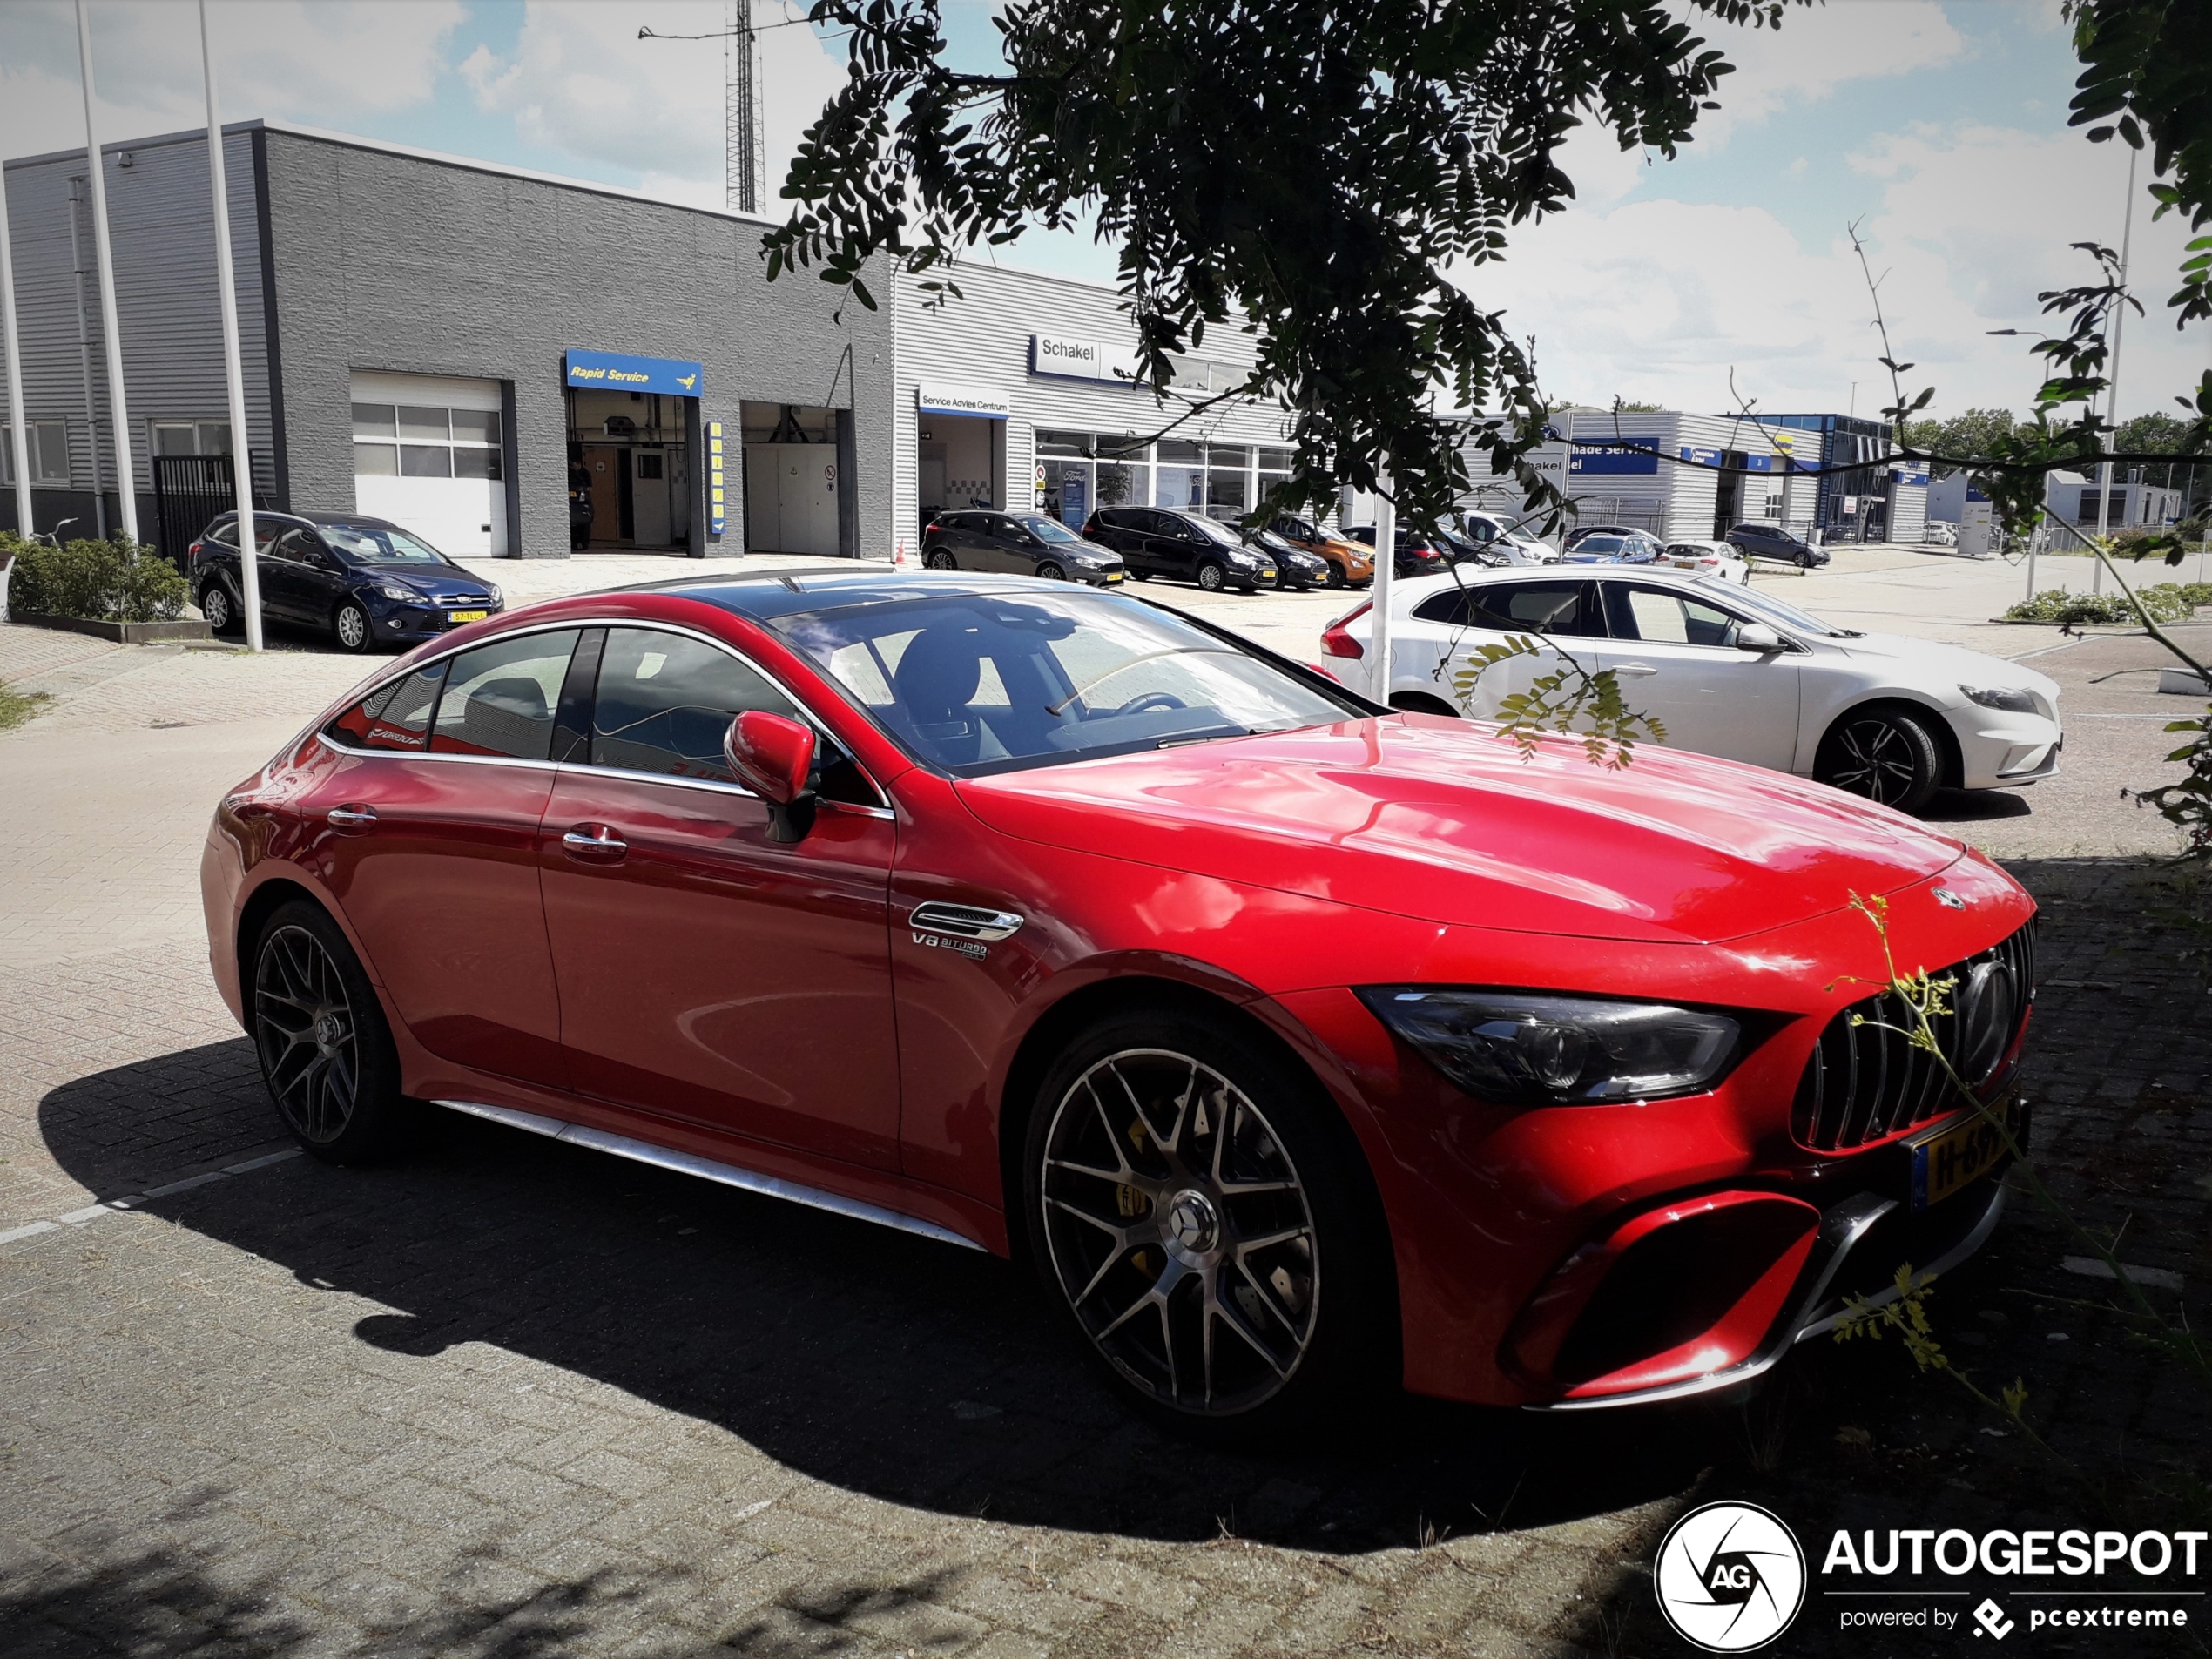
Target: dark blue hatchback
[(362, 581)]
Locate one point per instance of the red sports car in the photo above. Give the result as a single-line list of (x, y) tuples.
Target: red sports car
[(1303, 1047)]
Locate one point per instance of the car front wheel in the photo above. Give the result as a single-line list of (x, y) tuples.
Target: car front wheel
[(1212, 576), (1886, 755), (349, 626), (318, 1032), (1194, 1212), (1050, 572)]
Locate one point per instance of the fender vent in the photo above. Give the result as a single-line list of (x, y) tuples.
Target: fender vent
[(1865, 1082), (965, 920)]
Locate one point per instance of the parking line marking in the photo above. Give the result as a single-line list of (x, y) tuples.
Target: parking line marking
[(92, 1212), (35, 1227)]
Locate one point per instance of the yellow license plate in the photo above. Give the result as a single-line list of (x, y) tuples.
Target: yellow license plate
[(1112, 577), (467, 615), (1949, 1157)]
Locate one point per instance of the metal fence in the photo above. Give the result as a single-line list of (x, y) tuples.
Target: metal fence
[(189, 492)]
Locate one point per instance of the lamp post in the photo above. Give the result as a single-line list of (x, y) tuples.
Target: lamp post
[(249, 552), (1386, 568), (18, 435), (2112, 384), (126, 487)]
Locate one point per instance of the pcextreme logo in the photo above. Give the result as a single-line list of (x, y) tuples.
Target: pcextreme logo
[(1729, 1577)]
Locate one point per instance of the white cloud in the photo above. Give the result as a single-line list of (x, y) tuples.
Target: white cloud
[(581, 82), (1816, 51), (312, 63), (1659, 299)]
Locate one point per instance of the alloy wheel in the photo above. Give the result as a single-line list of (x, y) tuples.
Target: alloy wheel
[(1874, 758), (941, 560), (1180, 1232), (215, 605), (308, 1038), (1052, 573), (352, 626), (1210, 577)]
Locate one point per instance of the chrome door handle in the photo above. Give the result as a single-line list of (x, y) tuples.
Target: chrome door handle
[(1638, 670), (350, 818), (593, 842)]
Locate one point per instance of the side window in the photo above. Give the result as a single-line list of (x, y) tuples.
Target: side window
[(665, 700), (393, 717), (1448, 608), (290, 547), (1538, 608), (1663, 617), (501, 698)]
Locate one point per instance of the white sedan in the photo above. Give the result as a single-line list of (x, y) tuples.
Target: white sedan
[(1708, 558), (1729, 670)]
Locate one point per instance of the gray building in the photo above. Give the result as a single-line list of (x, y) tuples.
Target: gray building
[(511, 363)]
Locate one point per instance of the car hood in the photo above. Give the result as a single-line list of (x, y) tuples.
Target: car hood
[(1949, 665), (432, 584), (1441, 819)]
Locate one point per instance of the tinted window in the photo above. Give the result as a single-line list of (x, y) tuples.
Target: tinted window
[(499, 699), (1663, 616), (1518, 608), (979, 682), (665, 701), (395, 716)]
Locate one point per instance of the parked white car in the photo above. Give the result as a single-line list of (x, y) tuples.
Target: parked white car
[(1729, 670), (1708, 558), (1503, 535)]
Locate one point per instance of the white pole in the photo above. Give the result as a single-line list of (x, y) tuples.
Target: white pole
[(18, 435), (2112, 387), (249, 554), (1386, 568), (127, 484)]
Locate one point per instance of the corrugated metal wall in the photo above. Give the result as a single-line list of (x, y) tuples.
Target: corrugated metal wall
[(161, 226)]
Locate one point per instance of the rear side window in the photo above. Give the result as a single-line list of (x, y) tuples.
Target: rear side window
[(1517, 608), (394, 717), (501, 698), (665, 700)]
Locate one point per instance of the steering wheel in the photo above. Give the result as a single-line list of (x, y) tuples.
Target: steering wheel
[(1149, 700)]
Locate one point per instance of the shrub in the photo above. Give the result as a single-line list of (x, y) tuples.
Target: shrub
[(104, 581), (2168, 602)]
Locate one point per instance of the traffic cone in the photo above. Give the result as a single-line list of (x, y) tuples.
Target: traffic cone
[(900, 563)]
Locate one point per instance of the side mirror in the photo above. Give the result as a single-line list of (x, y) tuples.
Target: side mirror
[(773, 756), (1757, 636)]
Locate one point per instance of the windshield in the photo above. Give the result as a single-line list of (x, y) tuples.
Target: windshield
[(1789, 615), (982, 683), (1213, 531), (379, 544), (1273, 543), (1047, 529)]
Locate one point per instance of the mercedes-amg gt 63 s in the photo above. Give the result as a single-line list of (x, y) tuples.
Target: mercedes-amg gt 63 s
[(1302, 1047)]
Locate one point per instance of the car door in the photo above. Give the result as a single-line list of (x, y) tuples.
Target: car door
[(287, 582), (1674, 655), (1175, 546), (433, 849), (1553, 613), (707, 972), (998, 546)]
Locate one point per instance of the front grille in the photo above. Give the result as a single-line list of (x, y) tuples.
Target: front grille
[(1867, 1082)]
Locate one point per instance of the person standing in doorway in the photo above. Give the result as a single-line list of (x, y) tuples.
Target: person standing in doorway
[(580, 509)]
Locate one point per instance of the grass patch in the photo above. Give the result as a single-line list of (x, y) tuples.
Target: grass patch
[(16, 706)]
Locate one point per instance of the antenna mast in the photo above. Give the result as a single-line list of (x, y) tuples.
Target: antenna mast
[(741, 136)]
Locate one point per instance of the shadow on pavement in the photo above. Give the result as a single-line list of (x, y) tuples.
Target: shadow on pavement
[(913, 1371), (1975, 805)]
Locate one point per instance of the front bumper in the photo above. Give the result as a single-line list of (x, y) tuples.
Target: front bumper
[(1998, 750), (411, 624)]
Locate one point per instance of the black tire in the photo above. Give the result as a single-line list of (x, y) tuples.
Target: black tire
[(318, 1033), (1885, 755), (1213, 576), (941, 559), (350, 627), (1299, 1320), (224, 613), (1050, 572), (1337, 578), (1805, 561)]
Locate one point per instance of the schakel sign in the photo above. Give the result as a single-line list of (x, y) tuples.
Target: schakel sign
[(1080, 360)]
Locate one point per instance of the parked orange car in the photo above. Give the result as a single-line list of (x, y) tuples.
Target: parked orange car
[(1352, 565)]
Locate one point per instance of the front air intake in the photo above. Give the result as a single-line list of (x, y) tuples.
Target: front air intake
[(1866, 1080)]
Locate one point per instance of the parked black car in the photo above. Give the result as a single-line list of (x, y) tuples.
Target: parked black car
[(1416, 555), (1772, 542), (363, 580), (1295, 570), (1164, 540), (1017, 544)]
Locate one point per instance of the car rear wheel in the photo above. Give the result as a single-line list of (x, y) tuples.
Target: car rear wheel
[(215, 605), (318, 1032), (1885, 755), (1212, 575), (349, 626), (1050, 572), (941, 559), (1193, 1213)]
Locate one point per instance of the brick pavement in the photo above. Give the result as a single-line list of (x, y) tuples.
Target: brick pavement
[(503, 1397)]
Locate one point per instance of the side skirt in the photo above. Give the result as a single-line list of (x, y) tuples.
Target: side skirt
[(728, 1175)]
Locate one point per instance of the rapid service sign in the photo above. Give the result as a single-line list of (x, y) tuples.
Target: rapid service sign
[(607, 371)]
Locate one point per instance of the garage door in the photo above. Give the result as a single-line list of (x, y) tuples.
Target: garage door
[(429, 456)]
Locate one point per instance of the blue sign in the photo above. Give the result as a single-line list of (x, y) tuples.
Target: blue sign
[(1701, 457), (608, 371), (1759, 464), (1075, 500), (717, 517), (1614, 458), (1910, 474)]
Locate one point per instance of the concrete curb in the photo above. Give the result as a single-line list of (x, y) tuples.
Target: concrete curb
[(122, 633)]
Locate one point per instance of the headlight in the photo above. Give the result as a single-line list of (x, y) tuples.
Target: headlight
[(405, 595), (1243, 558), (1527, 1048), (497, 598), (2010, 699)]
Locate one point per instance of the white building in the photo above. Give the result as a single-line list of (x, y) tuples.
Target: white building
[(2073, 497)]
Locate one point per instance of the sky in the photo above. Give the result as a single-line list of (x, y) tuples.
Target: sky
[(1939, 126)]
